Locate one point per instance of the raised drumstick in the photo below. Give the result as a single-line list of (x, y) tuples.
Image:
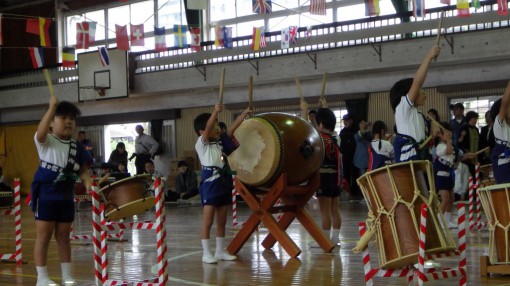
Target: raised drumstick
[(48, 81), (250, 93), (324, 78), (298, 86), (222, 84)]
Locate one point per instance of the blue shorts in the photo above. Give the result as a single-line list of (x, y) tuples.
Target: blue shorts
[(59, 211), (216, 192), (329, 186)]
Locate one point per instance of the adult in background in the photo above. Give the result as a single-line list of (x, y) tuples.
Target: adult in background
[(145, 149), (457, 122), (186, 184), (486, 139), (119, 155), (87, 144), (348, 148), (362, 138)]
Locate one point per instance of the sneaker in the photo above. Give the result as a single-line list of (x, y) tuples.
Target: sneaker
[(45, 282), (209, 259), (225, 256), (68, 281)]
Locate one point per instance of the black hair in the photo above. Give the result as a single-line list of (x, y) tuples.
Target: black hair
[(470, 115), (446, 126), (378, 128), (496, 106), (222, 125), (200, 122), (81, 132), (182, 163), (65, 108), (120, 144), (436, 114), (399, 89), (327, 118), (313, 111)]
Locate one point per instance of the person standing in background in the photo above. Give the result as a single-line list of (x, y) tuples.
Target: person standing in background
[(145, 149), (362, 138), (348, 148), (82, 138)]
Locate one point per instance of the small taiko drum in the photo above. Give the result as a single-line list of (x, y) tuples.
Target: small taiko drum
[(127, 197), (272, 143), (496, 204), (394, 194), (6, 199)]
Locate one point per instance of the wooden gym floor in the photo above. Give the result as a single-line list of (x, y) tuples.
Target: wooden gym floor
[(132, 260)]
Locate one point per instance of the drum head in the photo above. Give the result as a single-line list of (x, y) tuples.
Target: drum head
[(258, 157), (131, 209)]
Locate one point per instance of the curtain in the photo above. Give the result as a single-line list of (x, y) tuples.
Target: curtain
[(157, 132)]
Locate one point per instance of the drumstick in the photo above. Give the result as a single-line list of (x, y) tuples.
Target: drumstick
[(103, 179), (324, 78), (364, 240), (250, 93), (481, 151), (298, 85), (426, 141), (48, 81), (222, 83), (439, 27)]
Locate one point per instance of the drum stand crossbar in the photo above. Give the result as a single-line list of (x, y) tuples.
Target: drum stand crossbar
[(423, 275), (294, 199), (100, 227), (15, 210)]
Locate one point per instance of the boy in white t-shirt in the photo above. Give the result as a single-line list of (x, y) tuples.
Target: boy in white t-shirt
[(501, 152)]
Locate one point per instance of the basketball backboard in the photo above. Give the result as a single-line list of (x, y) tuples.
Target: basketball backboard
[(96, 81)]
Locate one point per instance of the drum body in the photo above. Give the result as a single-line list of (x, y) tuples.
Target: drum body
[(487, 176), (496, 204), (6, 199), (127, 197), (272, 143), (394, 195)]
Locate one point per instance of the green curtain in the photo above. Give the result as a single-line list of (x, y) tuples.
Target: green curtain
[(358, 108)]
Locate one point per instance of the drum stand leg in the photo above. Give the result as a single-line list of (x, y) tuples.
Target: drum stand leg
[(15, 257), (294, 199), (486, 267)]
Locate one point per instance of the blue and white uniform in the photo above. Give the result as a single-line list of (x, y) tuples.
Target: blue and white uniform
[(52, 190), (379, 157), (412, 130), (444, 168), (501, 152)]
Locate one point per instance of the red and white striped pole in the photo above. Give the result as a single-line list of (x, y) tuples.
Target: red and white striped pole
[(17, 220), (462, 242), (478, 205), (234, 203), (422, 278), (471, 202), (367, 268), (161, 233), (96, 235)]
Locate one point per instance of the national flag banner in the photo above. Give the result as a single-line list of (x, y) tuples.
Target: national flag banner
[(262, 6), (36, 54), (503, 7), (255, 39), (33, 26), (82, 35), (160, 39), (1, 32), (137, 35), (446, 2), (308, 32), (195, 39), (44, 31), (318, 7), (68, 60), (181, 36), (462, 8), (121, 37), (218, 40), (293, 32), (285, 38), (475, 4), (263, 42), (228, 43), (197, 5), (103, 56), (419, 8), (92, 32), (372, 8)]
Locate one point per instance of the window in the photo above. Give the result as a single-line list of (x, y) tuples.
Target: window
[(477, 104), (94, 16)]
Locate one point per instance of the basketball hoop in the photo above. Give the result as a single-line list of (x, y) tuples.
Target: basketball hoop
[(100, 91)]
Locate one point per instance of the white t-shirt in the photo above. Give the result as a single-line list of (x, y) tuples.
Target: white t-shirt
[(408, 120), (54, 150), (502, 132), (209, 153), (441, 153), (386, 148)]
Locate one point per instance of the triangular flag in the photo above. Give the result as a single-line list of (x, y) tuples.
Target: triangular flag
[(160, 39), (263, 42), (137, 35), (197, 5), (218, 40), (103, 56), (180, 35), (462, 8), (68, 57), (419, 8), (195, 39), (502, 7), (33, 26), (122, 37), (44, 32), (255, 39), (227, 38), (36, 54), (293, 34), (82, 35), (285, 38)]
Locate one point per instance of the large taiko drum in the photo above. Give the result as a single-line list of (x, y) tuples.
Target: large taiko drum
[(6, 199), (272, 143), (127, 197), (394, 195), (496, 204)]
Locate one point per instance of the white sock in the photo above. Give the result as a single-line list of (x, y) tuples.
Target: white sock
[(335, 233), (66, 269), (220, 241), (42, 272), (447, 216), (205, 246)]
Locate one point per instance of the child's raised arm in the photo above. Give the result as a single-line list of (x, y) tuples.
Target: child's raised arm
[(238, 121), (505, 102), (44, 125), (211, 122), (421, 73)]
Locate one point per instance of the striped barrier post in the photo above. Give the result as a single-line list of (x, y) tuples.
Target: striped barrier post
[(15, 210), (462, 242), (421, 254), (471, 202), (235, 224)]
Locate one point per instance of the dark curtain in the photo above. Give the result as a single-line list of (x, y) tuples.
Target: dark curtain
[(358, 108), (157, 130)]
